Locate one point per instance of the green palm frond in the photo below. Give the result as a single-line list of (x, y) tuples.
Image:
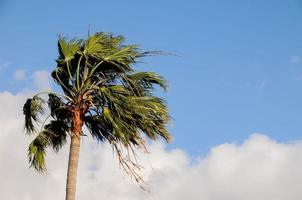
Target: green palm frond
[(68, 49), (100, 45), (37, 152), (94, 46), (123, 57), (54, 135), (126, 114), (106, 54), (146, 80), (151, 116)]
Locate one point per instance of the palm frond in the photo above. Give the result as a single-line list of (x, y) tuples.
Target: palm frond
[(68, 49), (151, 116), (58, 108), (37, 152), (123, 57), (102, 44), (146, 80), (125, 113), (32, 109), (54, 135), (99, 128), (61, 77), (56, 132)]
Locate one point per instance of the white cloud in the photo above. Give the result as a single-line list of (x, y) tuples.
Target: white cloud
[(42, 79), (295, 59), (260, 168), (20, 74)]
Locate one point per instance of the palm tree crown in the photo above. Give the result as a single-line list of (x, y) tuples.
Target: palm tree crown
[(101, 91)]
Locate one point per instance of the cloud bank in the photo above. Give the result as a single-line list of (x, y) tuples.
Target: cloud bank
[(259, 168), (42, 79)]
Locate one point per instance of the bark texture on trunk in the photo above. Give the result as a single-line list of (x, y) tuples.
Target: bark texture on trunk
[(72, 167), (74, 154)]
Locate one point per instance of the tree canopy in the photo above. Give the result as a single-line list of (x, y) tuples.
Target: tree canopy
[(116, 103)]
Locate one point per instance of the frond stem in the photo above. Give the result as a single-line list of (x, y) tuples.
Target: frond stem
[(95, 68), (78, 73), (55, 93), (64, 86)]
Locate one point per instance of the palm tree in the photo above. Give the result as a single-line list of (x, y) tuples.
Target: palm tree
[(102, 91)]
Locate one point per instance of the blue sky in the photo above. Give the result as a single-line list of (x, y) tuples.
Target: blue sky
[(239, 69)]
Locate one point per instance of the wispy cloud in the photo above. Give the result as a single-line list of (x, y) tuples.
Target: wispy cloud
[(295, 59), (20, 74), (4, 64), (258, 84)]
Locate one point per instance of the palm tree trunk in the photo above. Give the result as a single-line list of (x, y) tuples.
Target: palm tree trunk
[(74, 154), (72, 167)]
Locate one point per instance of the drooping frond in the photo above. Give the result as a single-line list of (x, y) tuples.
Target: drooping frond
[(53, 135), (56, 132), (37, 152), (99, 128), (32, 109), (151, 115), (124, 116), (58, 108), (121, 116), (125, 110)]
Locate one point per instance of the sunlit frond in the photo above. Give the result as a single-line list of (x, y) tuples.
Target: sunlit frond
[(126, 114), (68, 49), (144, 81)]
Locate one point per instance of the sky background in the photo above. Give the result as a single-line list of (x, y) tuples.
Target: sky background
[(238, 69)]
